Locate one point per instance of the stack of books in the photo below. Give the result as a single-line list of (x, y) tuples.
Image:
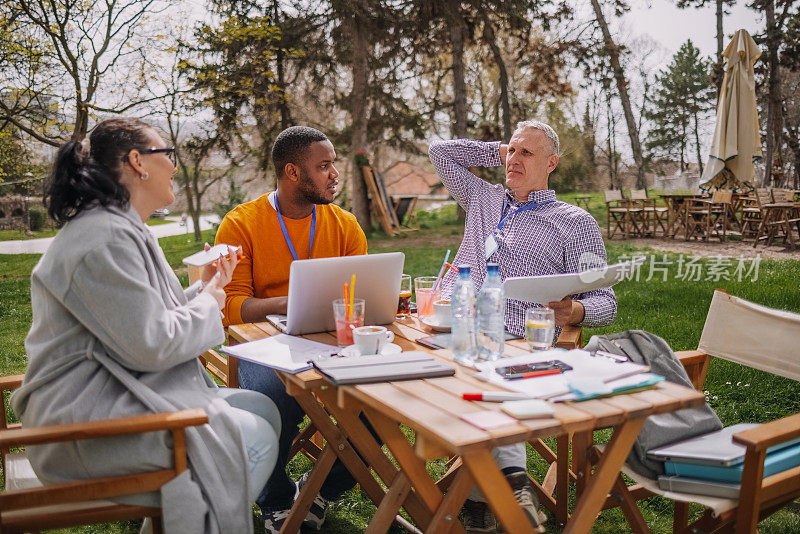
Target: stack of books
[(712, 464)]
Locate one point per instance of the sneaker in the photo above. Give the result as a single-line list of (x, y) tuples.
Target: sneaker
[(273, 520), (523, 491), (478, 518), (316, 514)]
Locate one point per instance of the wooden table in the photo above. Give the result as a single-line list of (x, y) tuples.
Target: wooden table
[(431, 408), (677, 204)]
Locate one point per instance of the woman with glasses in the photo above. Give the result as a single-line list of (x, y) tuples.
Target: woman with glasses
[(114, 334)]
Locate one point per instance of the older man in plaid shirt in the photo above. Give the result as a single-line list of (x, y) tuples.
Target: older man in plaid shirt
[(524, 229)]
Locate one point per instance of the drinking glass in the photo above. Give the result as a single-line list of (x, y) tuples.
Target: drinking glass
[(423, 287), (346, 321), (404, 302), (540, 326)]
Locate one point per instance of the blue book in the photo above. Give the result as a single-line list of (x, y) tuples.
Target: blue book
[(775, 462)]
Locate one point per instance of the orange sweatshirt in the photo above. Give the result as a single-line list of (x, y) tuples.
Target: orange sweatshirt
[(264, 271)]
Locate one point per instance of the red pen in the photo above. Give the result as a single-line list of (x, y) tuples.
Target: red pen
[(495, 396), (532, 374)]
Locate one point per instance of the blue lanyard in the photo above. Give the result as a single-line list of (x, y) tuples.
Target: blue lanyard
[(526, 207), (286, 234)]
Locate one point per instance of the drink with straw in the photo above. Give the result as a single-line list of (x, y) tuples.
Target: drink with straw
[(347, 319), (423, 286)]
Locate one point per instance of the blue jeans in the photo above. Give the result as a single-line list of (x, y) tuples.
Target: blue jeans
[(279, 491), (260, 424)]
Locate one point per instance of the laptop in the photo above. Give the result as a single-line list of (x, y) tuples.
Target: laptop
[(314, 284), (715, 448)]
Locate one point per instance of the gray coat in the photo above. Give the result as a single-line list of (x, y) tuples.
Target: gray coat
[(113, 335)]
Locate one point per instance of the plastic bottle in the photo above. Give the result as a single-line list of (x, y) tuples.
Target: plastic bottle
[(462, 310), (490, 324)]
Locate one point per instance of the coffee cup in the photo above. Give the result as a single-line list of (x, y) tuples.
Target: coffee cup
[(371, 339), (441, 311)]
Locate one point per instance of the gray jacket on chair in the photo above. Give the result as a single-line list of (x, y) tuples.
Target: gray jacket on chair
[(115, 335), (662, 429)]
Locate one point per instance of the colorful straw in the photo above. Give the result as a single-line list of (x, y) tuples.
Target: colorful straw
[(352, 294), (449, 265), (346, 307), (441, 271)]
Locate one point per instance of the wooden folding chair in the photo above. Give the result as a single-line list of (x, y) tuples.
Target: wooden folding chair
[(619, 211), (653, 215), (762, 338), (27, 505), (708, 218)]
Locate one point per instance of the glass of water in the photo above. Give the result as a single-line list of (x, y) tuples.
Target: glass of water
[(540, 326)]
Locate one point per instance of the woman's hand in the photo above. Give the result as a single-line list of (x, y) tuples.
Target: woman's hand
[(222, 272)]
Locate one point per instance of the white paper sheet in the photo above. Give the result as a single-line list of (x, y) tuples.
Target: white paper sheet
[(284, 352), (552, 288), (583, 364)]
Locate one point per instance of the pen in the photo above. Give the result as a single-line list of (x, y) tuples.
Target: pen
[(495, 396), (532, 374)]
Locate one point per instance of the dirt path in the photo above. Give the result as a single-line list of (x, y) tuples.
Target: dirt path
[(733, 249)]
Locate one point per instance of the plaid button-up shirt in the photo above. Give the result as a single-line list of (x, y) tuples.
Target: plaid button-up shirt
[(553, 238)]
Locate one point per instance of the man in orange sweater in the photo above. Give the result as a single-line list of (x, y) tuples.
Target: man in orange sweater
[(297, 221)]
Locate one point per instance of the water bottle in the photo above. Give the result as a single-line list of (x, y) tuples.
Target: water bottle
[(491, 315), (462, 310)]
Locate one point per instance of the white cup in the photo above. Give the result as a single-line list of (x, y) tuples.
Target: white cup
[(441, 311), (371, 339)]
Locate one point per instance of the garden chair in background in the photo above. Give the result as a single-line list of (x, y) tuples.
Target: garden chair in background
[(707, 218), (28, 506), (755, 336), (626, 217), (778, 217), (654, 216), (753, 212)]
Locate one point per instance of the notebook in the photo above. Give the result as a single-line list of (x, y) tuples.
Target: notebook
[(286, 353), (379, 368), (775, 462), (726, 490)]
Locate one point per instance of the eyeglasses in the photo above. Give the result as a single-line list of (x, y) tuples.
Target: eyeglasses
[(170, 152)]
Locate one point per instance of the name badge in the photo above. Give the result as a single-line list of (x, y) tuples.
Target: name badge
[(490, 246)]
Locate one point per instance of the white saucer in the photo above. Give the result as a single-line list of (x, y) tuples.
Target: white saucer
[(389, 348), (434, 323)]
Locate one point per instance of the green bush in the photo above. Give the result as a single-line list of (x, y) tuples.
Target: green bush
[(36, 218)]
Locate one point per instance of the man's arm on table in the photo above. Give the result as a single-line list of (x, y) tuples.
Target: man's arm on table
[(451, 160), (240, 304)]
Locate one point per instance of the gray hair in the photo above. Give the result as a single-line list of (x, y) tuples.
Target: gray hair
[(539, 125)]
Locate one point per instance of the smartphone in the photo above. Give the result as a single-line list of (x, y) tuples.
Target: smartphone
[(204, 257), (516, 371)]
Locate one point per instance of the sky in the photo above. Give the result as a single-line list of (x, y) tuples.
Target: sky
[(671, 27)]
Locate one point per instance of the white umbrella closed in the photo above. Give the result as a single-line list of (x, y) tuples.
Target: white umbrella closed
[(737, 142)]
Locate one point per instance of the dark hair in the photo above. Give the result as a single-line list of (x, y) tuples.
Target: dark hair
[(290, 145), (82, 177)]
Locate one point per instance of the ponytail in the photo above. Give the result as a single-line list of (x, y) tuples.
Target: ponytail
[(82, 178)]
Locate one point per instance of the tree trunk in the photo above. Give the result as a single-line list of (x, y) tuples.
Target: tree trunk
[(286, 117), (624, 98), (81, 122), (697, 143), (459, 85), (719, 67), (358, 115), (489, 37), (774, 107)]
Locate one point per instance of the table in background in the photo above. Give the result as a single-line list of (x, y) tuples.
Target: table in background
[(677, 204), (583, 201), (431, 408)]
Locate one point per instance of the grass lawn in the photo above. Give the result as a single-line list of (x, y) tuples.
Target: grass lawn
[(666, 304)]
